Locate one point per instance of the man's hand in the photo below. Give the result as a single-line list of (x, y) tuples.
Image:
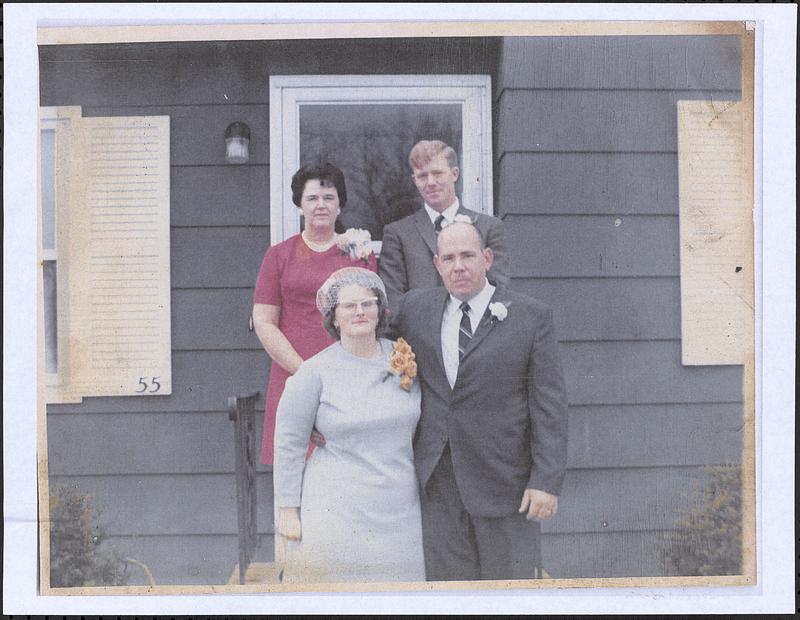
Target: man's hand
[(289, 522), (317, 438), (539, 505)]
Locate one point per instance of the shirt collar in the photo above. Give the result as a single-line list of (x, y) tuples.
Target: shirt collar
[(449, 213), (477, 303)]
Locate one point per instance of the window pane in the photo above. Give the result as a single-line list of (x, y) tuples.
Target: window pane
[(50, 314), (370, 143), (48, 181)]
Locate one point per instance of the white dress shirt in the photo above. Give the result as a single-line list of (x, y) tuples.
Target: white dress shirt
[(451, 321), (449, 213)]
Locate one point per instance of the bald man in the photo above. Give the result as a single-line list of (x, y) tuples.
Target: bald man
[(490, 448)]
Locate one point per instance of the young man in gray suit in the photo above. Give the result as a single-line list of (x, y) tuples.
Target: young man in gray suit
[(406, 260), (491, 445)]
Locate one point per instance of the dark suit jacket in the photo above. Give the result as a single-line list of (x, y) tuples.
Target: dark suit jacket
[(406, 260), (506, 416)]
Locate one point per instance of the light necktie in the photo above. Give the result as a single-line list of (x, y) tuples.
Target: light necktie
[(464, 330), (437, 224)]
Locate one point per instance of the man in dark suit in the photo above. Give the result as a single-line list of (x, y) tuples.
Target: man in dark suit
[(406, 260), (490, 448)]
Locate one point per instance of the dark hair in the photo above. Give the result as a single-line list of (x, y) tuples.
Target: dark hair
[(327, 174), (383, 313)]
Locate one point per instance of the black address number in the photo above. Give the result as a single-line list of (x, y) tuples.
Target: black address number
[(154, 385)]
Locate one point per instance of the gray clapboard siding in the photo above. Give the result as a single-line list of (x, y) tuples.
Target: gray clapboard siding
[(212, 319), (159, 442), (593, 245), (596, 373), (217, 257), (637, 308), (642, 372), (185, 560), (197, 132), (137, 80), (233, 195), (614, 500), (382, 56), (599, 500), (583, 309), (606, 436), (150, 505), (192, 73), (621, 62), (183, 73), (601, 436), (170, 73), (610, 554), (145, 443), (593, 120), (201, 380), (588, 183)]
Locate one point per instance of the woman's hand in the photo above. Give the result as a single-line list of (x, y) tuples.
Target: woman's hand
[(317, 438), (277, 346), (289, 522)]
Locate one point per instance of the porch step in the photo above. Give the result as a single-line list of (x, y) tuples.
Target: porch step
[(257, 572)]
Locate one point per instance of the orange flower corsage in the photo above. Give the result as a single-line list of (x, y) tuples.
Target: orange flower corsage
[(402, 364)]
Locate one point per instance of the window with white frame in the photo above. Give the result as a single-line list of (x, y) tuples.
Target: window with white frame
[(366, 125)]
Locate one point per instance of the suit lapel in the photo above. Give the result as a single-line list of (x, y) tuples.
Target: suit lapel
[(425, 229), (462, 210), (486, 325), (440, 299)]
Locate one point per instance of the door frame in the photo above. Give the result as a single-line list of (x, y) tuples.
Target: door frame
[(288, 92)]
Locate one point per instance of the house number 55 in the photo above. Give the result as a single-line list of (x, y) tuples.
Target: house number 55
[(154, 385)]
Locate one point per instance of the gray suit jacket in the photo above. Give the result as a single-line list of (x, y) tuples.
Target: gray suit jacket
[(409, 244), (506, 416)]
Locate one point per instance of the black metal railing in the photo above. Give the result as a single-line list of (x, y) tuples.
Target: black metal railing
[(241, 410)]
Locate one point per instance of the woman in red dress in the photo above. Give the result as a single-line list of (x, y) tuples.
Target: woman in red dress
[(285, 313)]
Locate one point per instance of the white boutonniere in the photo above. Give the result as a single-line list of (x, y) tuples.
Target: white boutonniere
[(356, 243), (498, 310), (464, 219)]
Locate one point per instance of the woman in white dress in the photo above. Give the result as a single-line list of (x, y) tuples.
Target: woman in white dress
[(351, 512)]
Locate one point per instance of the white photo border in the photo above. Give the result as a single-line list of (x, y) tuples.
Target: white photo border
[(775, 237)]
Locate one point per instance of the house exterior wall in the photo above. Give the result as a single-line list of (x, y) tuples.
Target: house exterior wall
[(587, 177), (585, 136)]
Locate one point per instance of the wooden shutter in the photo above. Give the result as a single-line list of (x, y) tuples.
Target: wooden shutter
[(716, 228), (114, 248)]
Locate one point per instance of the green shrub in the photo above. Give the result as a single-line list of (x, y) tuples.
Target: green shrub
[(708, 539), (76, 556)]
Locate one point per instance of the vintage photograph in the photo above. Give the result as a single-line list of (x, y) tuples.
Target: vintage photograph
[(358, 309)]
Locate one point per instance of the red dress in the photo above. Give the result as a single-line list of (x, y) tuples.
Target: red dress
[(290, 276)]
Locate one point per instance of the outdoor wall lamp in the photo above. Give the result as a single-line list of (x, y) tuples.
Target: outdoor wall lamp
[(237, 143)]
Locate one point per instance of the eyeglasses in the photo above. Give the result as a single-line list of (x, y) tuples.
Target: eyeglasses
[(366, 304)]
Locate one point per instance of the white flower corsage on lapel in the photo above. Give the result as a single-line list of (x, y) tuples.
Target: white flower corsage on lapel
[(498, 311), (464, 219), (356, 243)]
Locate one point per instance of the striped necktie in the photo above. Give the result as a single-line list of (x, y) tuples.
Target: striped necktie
[(464, 330)]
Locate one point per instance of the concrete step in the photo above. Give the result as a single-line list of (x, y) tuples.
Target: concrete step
[(257, 572)]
